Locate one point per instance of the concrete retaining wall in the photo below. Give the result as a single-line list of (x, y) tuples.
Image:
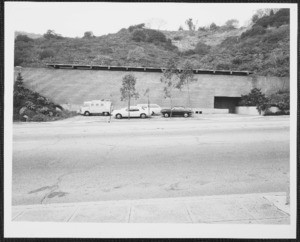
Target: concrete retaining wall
[(76, 86), (246, 110)]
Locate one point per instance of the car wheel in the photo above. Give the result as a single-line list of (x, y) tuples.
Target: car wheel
[(152, 113), (118, 116), (166, 115), (105, 113), (143, 115), (86, 113), (185, 115)]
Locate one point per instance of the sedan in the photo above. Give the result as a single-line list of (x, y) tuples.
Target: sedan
[(134, 112), (177, 112), (153, 108)]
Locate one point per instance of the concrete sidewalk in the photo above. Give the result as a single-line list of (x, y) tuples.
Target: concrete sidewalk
[(262, 208)]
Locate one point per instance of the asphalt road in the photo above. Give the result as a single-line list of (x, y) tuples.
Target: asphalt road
[(89, 159)]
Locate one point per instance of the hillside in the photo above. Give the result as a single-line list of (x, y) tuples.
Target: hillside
[(262, 48)]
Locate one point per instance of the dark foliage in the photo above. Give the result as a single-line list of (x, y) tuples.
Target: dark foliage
[(31, 106), (48, 53), (255, 98), (134, 27)]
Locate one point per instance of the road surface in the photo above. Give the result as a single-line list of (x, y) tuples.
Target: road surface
[(88, 159)]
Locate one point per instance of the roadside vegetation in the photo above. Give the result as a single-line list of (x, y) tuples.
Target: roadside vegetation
[(261, 47), (31, 106), (263, 103)]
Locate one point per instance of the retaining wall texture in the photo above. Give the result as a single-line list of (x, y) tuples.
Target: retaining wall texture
[(76, 86)]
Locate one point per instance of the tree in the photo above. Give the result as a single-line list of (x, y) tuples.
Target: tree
[(180, 28), (170, 79), (128, 90), (146, 93), (255, 98), (213, 26), (88, 35), (232, 23), (50, 34), (186, 77), (23, 37), (190, 24)]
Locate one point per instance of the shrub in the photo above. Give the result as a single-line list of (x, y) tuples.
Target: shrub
[(255, 98), (280, 100), (134, 27), (23, 37), (178, 38), (155, 36), (275, 20), (46, 54), (223, 66), (201, 48), (138, 35), (39, 118), (136, 54), (254, 31)]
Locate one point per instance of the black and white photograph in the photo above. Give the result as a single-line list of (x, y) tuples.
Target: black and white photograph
[(150, 120)]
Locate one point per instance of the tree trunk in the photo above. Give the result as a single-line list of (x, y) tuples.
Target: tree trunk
[(189, 97), (171, 106), (129, 107), (148, 106)]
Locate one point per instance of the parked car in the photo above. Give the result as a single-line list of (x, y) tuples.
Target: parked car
[(153, 108), (96, 107), (177, 112), (135, 112)]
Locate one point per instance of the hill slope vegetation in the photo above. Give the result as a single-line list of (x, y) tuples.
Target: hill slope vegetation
[(262, 47)]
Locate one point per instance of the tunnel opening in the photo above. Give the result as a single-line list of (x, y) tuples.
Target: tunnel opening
[(226, 103)]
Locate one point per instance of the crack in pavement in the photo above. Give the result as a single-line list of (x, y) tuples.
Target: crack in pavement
[(55, 187)]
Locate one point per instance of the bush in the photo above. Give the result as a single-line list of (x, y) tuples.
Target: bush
[(134, 27), (39, 118), (23, 38), (136, 54), (178, 38), (254, 31), (255, 98), (154, 36), (46, 54), (201, 48), (280, 100), (282, 17), (138, 35)]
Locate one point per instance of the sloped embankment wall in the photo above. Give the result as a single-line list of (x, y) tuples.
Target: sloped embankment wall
[(76, 86)]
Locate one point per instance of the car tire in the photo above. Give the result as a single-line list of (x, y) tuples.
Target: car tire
[(166, 115), (143, 115), (87, 113), (152, 113), (105, 113), (118, 116), (185, 115)]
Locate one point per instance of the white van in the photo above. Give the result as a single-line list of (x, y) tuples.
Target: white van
[(96, 107)]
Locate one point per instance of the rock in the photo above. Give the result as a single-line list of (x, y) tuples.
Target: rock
[(22, 110)]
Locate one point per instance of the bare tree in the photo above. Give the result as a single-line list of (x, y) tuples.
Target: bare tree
[(186, 77), (190, 24), (147, 93), (128, 90), (170, 79)]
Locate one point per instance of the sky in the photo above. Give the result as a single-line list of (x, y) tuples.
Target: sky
[(73, 19)]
